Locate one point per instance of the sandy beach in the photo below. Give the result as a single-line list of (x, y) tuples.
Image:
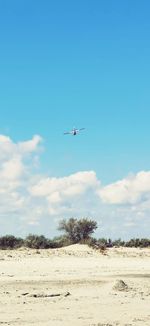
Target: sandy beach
[(75, 285)]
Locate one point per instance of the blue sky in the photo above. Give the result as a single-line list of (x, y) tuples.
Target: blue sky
[(84, 64)]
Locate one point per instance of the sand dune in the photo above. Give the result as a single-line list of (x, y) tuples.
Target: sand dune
[(75, 285)]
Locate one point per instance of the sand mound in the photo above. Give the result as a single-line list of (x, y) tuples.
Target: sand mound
[(77, 250), (120, 285), (78, 247)]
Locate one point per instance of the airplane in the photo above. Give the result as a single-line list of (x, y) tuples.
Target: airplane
[(73, 132)]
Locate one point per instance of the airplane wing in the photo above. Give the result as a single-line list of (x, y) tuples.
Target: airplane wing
[(81, 128), (67, 133)]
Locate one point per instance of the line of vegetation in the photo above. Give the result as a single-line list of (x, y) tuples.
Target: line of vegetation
[(74, 231)]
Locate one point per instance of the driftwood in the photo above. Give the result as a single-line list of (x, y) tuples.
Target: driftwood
[(40, 295)]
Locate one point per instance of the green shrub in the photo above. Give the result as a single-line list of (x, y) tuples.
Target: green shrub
[(62, 241), (118, 243), (10, 242), (36, 241), (142, 243), (89, 241)]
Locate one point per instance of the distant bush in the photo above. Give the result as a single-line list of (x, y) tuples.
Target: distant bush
[(102, 247), (40, 242), (102, 241), (95, 244), (77, 231), (142, 243), (90, 241), (100, 244), (10, 242), (36, 242), (118, 243), (52, 243), (61, 241)]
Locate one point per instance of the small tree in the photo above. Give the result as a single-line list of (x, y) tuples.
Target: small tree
[(77, 230)]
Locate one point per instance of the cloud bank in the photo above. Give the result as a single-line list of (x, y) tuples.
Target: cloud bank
[(130, 190), (30, 201)]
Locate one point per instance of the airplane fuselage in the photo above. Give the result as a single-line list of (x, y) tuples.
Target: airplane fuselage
[(73, 132)]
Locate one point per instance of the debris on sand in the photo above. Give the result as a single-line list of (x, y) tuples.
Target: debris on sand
[(120, 285), (41, 295), (26, 293)]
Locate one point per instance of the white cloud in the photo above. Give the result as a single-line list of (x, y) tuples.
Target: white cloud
[(54, 198), (13, 173), (30, 146), (9, 148), (12, 169), (72, 185), (127, 191), (60, 193)]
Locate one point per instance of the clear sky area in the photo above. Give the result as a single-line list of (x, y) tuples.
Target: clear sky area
[(66, 64)]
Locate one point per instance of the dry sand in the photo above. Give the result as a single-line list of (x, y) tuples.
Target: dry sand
[(75, 286)]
